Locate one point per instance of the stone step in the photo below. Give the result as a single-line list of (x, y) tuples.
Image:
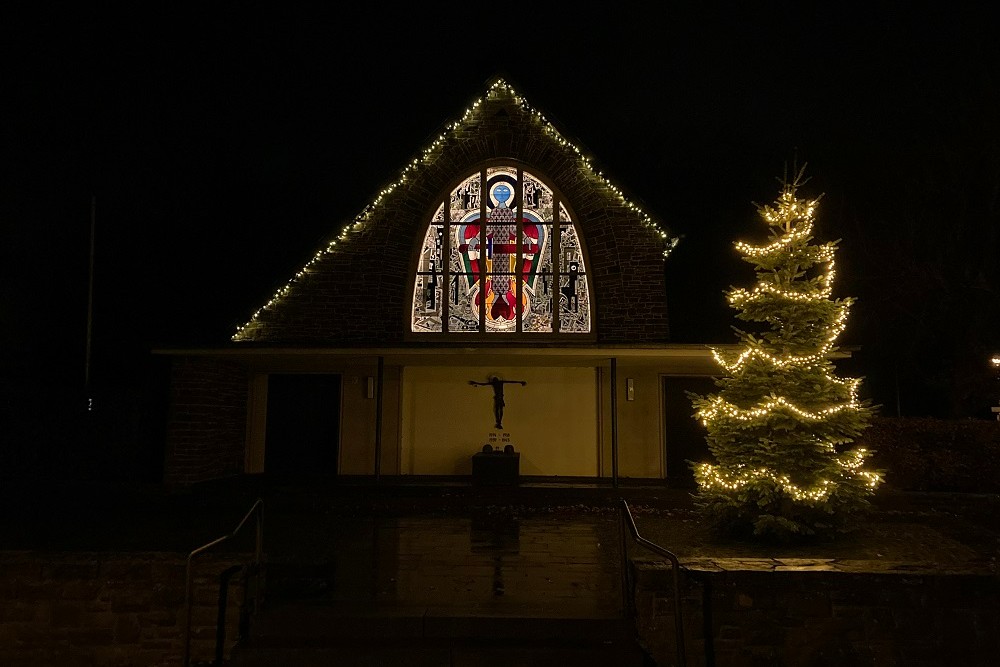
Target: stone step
[(444, 654), (470, 584), (318, 622), (348, 633)]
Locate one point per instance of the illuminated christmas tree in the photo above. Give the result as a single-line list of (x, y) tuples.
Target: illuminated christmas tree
[(782, 425)]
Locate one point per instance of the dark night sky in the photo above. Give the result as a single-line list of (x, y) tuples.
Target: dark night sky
[(225, 144)]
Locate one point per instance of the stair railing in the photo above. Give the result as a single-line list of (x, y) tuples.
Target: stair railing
[(628, 523), (257, 511)]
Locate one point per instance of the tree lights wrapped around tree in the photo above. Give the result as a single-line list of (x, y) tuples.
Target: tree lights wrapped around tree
[(782, 426)]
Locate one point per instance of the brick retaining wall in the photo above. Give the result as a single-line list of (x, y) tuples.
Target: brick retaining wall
[(119, 610), (798, 612)]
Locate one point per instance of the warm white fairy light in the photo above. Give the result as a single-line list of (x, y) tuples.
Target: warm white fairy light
[(789, 210), (712, 477), (741, 296), (500, 87), (823, 254), (801, 232), (836, 329), (793, 220), (722, 408)]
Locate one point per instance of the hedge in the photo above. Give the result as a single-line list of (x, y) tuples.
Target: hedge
[(926, 454)]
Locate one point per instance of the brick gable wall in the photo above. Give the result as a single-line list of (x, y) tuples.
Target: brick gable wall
[(361, 292)]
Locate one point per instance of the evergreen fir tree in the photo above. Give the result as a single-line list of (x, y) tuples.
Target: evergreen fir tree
[(782, 425)]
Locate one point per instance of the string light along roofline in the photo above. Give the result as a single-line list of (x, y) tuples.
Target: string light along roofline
[(499, 87)]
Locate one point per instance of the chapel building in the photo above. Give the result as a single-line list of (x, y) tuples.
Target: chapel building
[(500, 292)]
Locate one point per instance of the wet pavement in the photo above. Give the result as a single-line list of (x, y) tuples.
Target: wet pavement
[(446, 562), (554, 551), (492, 541), (458, 577), (488, 564)]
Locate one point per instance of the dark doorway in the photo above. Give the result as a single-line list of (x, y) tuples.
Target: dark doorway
[(685, 435), (303, 424)]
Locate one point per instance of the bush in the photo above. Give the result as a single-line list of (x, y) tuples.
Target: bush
[(925, 454)]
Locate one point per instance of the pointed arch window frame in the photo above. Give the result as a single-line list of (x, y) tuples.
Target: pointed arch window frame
[(441, 281)]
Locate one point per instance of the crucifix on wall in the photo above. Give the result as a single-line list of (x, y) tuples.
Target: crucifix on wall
[(498, 402)]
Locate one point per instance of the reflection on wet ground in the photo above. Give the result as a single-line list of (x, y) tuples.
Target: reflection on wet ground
[(489, 564), (534, 552)]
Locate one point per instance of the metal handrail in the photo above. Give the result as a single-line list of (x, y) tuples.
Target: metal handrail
[(629, 522), (258, 509)]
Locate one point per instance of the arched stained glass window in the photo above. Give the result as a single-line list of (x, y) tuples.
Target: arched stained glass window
[(509, 262)]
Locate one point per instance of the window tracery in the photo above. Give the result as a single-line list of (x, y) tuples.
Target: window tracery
[(507, 262)]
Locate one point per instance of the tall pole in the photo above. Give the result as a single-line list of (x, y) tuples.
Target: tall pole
[(614, 422), (378, 420), (90, 303)]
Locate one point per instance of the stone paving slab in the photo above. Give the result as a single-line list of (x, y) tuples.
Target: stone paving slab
[(952, 532), (452, 566), (319, 623), (450, 653)]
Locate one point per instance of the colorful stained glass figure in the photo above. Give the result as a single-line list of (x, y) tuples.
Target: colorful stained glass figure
[(428, 292), (500, 274)]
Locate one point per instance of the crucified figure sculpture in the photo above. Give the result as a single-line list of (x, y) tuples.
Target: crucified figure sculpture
[(498, 402)]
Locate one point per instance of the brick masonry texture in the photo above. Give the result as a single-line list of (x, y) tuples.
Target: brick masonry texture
[(207, 425), (361, 292), (763, 612), (63, 609)]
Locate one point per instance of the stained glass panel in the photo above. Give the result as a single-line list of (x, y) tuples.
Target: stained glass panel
[(574, 303), (427, 290), (463, 314), (537, 198), (514, 255), (536, 241), (465, 199)]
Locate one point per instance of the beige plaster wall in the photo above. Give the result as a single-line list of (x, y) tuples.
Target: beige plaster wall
[(640, 428), (552, 421), (358, 422), (433, 421)]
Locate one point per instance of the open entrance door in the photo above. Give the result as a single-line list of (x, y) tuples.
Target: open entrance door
[(303, 424)]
